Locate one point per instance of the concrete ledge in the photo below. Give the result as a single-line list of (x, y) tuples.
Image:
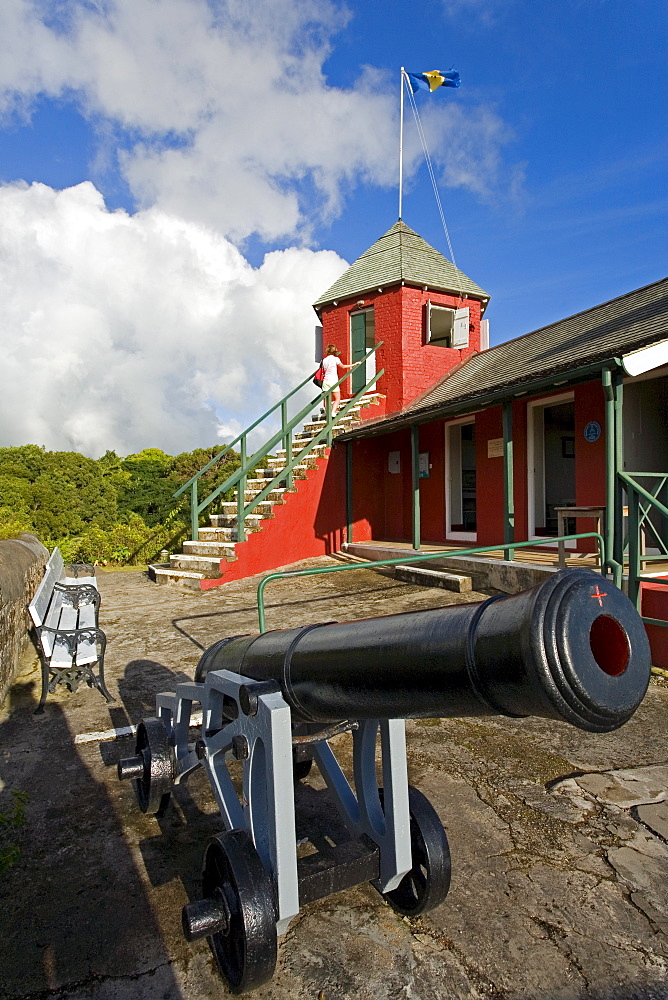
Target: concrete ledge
[(495, 574), (22, 562), (455, 582)]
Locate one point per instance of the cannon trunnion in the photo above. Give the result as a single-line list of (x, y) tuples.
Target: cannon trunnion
[(573, 649)]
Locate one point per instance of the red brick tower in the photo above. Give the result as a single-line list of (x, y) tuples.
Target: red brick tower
[(425, 310)]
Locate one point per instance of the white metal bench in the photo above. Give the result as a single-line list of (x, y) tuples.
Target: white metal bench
[(64, 612)]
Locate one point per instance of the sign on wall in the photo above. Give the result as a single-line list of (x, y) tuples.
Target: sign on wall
[(424, 465), (495, 448), (394, 462), (592, 431)]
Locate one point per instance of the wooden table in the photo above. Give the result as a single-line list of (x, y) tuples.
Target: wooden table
[(596, 513)]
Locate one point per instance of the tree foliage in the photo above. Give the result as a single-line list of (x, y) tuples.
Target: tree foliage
[(109, 509)]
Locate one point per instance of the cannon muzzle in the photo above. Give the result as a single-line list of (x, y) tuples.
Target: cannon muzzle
[(572, 648)]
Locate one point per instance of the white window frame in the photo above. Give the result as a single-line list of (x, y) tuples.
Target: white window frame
[(458, 336), (564, 397), (463, 536)]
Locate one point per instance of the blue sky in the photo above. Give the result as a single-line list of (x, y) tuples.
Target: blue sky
[(179, 179)]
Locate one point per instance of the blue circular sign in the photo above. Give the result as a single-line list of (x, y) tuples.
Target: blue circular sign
[(592, 431)]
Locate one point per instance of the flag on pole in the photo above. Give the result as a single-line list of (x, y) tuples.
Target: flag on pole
[(432, 79)]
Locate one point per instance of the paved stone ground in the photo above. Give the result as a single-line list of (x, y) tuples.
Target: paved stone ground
[(559, 838)]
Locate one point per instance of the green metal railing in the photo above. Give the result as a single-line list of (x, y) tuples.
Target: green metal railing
[(642, 503), (407, 560), (282, 436)]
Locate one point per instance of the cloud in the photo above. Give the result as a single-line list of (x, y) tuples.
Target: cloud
[(126, 331), (485, 10), (218, 111), (221, 110), (467, 144), (129, 330)]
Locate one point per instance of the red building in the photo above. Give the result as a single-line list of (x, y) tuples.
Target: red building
[(472, 445)]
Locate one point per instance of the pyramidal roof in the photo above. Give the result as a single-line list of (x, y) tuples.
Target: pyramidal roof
[(400, 257)]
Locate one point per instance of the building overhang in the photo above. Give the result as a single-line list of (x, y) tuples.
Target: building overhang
[(646, 359), (351, 300), (475, 403)]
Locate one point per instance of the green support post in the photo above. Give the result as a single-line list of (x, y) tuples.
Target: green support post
[(241, 495), (618, 388), (415, 471), (349, 490), (194, 513), (634, 547), (508, 482), (662, 497), (287, 444), (328, 418), (610, 469)]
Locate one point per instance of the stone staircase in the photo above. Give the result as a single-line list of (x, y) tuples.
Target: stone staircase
[(200, 559)]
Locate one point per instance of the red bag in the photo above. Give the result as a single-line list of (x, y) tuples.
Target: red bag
[(319, 377)]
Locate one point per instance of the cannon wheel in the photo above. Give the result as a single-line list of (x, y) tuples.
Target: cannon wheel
[(426, 885), (246, 953), (154, 787)]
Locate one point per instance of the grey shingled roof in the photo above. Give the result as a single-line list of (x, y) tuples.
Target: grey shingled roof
[(589, 338), (400, 256)]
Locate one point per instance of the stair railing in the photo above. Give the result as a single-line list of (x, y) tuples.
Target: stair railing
[(641, 504), (284, 436)]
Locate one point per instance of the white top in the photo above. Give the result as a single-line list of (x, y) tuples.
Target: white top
[(331, 365)]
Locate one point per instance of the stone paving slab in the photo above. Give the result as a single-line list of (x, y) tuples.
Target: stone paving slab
[(627, 788), (656, 818), (558, 893)]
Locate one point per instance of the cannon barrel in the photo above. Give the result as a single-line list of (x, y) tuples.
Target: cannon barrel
[(572, 648)]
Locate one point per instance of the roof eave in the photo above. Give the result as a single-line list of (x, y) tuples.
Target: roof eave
[(481, 296), (473, 403)]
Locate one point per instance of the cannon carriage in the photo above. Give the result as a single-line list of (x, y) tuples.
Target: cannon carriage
[(572, 649)]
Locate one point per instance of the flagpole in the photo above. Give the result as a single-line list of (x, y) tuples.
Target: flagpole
[(401, 137)]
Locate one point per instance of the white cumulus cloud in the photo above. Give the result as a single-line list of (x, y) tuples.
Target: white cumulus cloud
[(130, 330), (127, 331)]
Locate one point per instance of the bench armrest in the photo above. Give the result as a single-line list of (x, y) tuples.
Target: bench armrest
[(82, 593), (79, 569), (73, 636)]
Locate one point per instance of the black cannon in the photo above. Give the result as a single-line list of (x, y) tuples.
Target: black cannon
[(573, 649)]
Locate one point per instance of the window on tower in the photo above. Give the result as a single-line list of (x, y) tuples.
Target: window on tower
[(447, 327)]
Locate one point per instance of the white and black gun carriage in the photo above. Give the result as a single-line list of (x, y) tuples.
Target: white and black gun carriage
[(569, 649)]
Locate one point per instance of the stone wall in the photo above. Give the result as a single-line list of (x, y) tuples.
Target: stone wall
[(22, 562)]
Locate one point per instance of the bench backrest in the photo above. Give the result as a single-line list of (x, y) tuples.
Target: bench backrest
[(40, 602)]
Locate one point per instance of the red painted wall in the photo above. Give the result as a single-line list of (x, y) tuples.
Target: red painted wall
[(373, 481), (369, 463), (489, 478), (311, 523), (654, 604), (432, 490), (589, 457), (411, 365)]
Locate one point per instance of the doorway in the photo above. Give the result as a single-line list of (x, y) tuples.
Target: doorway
[(362, 339), (551, 480), (460, 473)]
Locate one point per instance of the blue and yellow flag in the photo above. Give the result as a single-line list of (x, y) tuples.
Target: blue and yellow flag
[(432, 79)]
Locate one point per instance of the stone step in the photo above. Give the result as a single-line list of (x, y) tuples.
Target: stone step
[(263, 509), (423, 577), (219, 535), (185, 578), (257, 485), (299, 471), (208, 566), (313, 427), (214, 549), (275, 496), (318, 451), (253, 521)]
